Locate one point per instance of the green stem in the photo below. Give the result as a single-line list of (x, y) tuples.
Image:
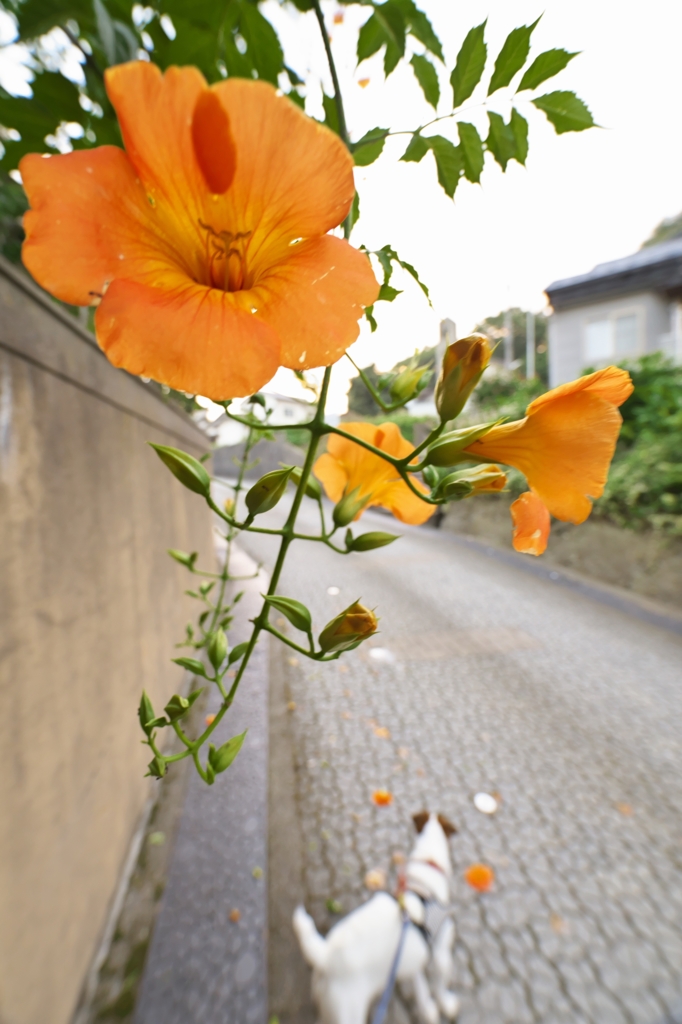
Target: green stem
[(340, 113), (372, 390), (317, 429)]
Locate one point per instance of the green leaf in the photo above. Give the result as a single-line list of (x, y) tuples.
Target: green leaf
[(472, 150), (392, 20), (511, 57), (519, 127), (369, 316), (420, 27), (449, 163), (413, 273), (183, 558), (387, 293), (237, 652), (501, 141), (369, 541), (188, 470), (417, 149), (263, 44), (371, 38), (223, 757), (470, 64), (297, 613), (427, 77), (369, 148), (547, 65), (354, 215), (192, 665), (565, 111), (331, 114)]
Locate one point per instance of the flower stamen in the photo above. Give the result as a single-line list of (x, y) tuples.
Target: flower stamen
[(229, 249)]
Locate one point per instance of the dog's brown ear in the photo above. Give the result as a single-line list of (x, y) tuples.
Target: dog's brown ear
[(420, 819), (447, 826)]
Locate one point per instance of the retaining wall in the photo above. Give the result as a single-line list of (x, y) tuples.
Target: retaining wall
[(90, 608)]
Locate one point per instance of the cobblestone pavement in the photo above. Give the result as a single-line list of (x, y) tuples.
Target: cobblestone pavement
[(500, 681)]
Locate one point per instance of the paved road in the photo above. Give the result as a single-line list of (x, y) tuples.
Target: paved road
[(503, 682)]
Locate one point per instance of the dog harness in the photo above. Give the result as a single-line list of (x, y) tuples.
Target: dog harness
[(435, 914)]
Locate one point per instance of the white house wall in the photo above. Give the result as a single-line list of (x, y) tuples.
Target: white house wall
[(568, 331)]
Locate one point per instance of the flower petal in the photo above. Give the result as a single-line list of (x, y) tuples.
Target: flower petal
[(563, 448), (294, 176), (331, 475), (314, 298), (214, 146), (155, 112), (89, 220), (187, 336), (531, 524), (403, 503), (612, 384)]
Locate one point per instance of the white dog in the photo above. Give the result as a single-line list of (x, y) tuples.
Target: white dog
[(351, 966)]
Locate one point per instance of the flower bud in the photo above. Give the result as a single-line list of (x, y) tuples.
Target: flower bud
[(265, 494), (312, 487), (217, 649), (463, 364), (230, 507), (479, 480), (349, 628), (349, 507), (409, 383), (449, 448)]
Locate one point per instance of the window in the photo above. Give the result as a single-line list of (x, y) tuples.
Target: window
[(598, 341), (614, 337), (626, 335)]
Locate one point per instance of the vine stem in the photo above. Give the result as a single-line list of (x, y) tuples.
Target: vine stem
[(343, 131)]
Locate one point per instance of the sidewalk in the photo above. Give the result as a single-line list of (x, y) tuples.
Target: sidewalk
[(204, 967)]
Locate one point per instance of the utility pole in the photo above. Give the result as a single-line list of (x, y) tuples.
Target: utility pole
[(508, 340), (530, 346)]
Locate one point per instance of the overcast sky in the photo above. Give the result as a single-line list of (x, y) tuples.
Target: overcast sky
[(582, 199)]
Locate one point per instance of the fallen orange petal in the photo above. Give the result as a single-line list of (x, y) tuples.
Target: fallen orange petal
[(480, 877), (363, 82), (382, 732), (338, 18), (235, 915), (382, 797), (625, 809), (210, 719)]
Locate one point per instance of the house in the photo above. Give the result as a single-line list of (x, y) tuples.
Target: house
[(619, 310), (224, 432)]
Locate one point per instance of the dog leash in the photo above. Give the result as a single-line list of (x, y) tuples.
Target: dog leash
[(382, 1008)]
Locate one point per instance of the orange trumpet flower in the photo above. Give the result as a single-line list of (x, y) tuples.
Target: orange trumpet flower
[(347, 467), (564, 447), (204, 244)]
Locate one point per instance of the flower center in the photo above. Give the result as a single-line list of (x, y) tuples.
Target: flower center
[(226, 255)]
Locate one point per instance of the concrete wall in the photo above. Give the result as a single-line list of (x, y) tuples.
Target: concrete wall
[(568, 355), (90, 607)]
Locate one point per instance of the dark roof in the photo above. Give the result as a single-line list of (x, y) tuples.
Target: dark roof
[(655, 268)]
